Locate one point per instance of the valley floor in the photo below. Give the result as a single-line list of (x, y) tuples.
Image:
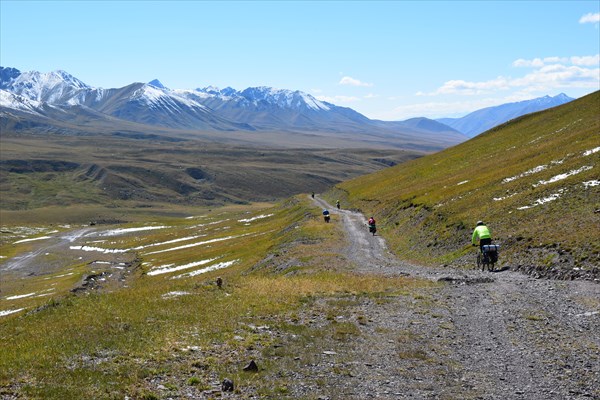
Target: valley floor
[(473, 335)]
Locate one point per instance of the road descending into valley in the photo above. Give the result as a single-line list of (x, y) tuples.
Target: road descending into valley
[(472, 335)]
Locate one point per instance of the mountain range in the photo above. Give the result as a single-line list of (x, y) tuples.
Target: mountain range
[(58, 102), (481, 120)]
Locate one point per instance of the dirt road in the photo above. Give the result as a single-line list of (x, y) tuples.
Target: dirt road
[(475, 335)]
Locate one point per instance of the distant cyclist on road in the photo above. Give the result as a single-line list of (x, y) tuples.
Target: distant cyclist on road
[(481, 233), (326, 216), (372, 225)]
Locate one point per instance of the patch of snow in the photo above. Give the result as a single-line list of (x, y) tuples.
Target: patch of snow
[(214, 267), (191, 348), (194, 244), (544, 200), (534, 170), (560, 177), (590, 152), (504, 197), (121, 231), (20, 296), (169, 268), (99, 249), (591, 183), (461, 183), (183, 239), (32, 239), (255, 218), (170, 295), (7, 312), (16, 102)]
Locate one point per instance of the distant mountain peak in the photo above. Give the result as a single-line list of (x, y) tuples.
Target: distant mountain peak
[(157, 84)]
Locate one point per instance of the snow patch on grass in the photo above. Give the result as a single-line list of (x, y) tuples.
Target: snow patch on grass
[(99, 249), (591, 183), (591, 151), (560, 177), (532, 171), (255, 218), (504, 197), (171, 295), (20, 296), (552, 197), (214, 267), (8, 312), (194, 244), (165, 269), (183, 239), (32, 239), (121, 231)]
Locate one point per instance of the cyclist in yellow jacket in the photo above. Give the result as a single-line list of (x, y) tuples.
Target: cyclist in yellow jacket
[(481, 233)]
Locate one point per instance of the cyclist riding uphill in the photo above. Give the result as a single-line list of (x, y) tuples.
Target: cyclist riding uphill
[(481, 233)]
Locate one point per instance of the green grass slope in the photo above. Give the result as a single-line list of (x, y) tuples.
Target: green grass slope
[(533, 180), (160, 326)]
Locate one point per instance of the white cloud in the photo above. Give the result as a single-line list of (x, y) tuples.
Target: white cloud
[(559, 77), (590, 18), (346, 80), (473, 88), (587, 61), (547, 74), (538, 62)]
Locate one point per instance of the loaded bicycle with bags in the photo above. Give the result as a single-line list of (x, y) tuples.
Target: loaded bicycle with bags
[(487, 256), (488, 252)]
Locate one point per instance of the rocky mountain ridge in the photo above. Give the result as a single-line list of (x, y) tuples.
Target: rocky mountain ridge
[(253, 109)]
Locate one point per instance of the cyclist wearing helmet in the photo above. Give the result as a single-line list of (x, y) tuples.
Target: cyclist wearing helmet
[(481, 233)]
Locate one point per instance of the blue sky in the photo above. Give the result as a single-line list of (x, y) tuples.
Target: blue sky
[(389, 60)]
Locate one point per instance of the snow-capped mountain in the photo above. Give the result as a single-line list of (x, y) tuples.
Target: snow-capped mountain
[(269, 108), (253, 109), (53, 87), (481, 120)]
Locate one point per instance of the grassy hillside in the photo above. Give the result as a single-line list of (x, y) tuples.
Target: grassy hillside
[(158, 325), (533, 180)]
